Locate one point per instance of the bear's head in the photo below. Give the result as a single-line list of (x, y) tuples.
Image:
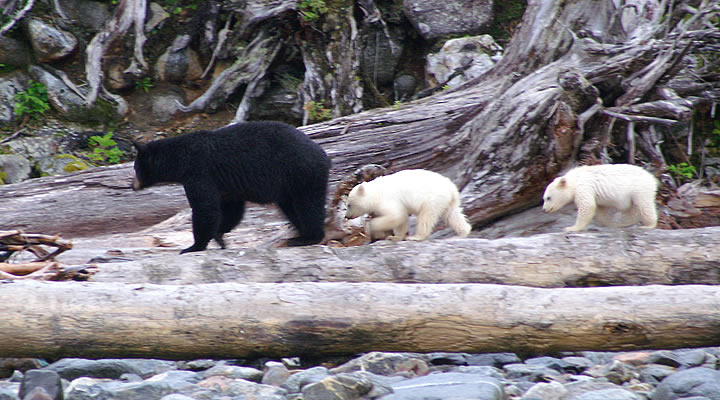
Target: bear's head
[(143, 167), (557, 195), (358, 202)]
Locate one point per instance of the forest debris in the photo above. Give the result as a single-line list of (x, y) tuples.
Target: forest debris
[(338, 232), (43, 267)]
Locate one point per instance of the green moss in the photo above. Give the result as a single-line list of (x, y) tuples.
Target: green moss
[(75, 165), (101, 113)]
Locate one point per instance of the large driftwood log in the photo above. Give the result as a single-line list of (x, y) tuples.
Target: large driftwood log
[(312, 319), (632, 257), (87, 203)]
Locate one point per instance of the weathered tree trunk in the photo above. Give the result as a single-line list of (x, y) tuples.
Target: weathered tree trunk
[(550, 260), (245, 320), (86, 203)]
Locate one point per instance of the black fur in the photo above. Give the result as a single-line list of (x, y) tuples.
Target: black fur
[(261, 162)]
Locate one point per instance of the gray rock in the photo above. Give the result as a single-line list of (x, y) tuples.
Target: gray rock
[(481, 370), (448, 386), (381, 51), (234, 372), (338, 387), (385, 364), (473, 54), (49, 43), (690, 382), (578, 389), (433, 19), (297, 380), (10, 85), (61, 97), (655, 373), (165, 103), (8, 366), (546, 391), (531, 373), (404, 87), (87, 13), (665, 357), (275, 373), (693, 357), (14, 52), (177, 397), (8, 394), (48, 381), (497, 360), (614, 394), (242, 389), (73, 368), (157, 15), (153, 388), (615, 372), (179, 62), (577, 365), (13, 168)]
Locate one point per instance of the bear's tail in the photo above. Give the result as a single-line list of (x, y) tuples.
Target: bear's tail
[(455, 219)]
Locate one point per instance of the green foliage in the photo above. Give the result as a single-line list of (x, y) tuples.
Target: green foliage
[(311, 10), (682, 171), (317, 111), (33, 101), (397, 104), (104, 149), (3, 176), (144, 84), (6, 68)]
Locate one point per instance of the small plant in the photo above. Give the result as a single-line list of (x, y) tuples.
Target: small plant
[(104, 149), (683, 171), (397, 104), (311, 10), (317, 111), (33, 101), (144, 84)]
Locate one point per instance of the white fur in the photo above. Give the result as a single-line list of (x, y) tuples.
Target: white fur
[(598, 190), (390, 199)]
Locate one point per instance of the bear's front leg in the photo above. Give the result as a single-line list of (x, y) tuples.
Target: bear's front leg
[(205, 204), (586, 206)]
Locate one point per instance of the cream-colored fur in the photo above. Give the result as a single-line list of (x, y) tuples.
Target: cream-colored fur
[(391, 199), (599, 190)]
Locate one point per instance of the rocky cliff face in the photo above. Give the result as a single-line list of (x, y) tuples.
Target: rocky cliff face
[(137, 67)]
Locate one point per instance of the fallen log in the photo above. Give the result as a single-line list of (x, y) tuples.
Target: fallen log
[(227, 320), (605, 258)]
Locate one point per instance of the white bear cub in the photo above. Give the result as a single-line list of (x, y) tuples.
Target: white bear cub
[(599, 190), (390, 199)]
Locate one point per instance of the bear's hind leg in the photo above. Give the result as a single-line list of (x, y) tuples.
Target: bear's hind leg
[(231, 215), (645, 210), (427, 218)]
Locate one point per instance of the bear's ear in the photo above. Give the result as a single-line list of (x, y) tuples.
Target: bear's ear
[(563, 182), (139, 146), (361, 190)]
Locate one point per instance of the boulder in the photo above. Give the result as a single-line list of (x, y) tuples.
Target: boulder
[(688, 383), (433, 19), (449, 385), (10, 85), (179, 63), (14, 53), (471, 56), (49, 43), (13, 168)]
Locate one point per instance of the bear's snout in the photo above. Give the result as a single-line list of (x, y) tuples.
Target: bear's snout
[(136, 185)]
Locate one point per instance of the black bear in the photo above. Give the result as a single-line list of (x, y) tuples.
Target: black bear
[(262, 162)]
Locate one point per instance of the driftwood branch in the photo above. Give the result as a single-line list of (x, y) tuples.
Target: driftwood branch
[(185, 322)]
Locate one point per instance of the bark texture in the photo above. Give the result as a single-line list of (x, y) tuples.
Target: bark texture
[(246, 320)]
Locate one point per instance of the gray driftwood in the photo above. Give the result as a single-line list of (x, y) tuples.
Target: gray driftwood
[(631, 257), (228, 320)]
